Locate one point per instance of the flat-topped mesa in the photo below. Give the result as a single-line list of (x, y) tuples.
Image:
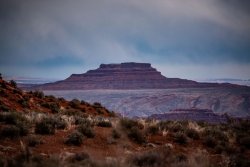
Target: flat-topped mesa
[(126, 65), (129, 75)]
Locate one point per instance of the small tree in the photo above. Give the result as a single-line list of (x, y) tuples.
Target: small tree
[(1, 76)]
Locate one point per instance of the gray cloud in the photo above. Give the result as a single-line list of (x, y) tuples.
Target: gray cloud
[(94, 32)]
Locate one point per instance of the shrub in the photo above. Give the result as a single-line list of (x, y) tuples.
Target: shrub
[(13, 83), (54, 107), (216, 133), (75, 103), (11, 131), (97, 105), (32, 141), (128, 123), (24, 103), (180, 138), (177, 127), (74, 138), (153, 129), (38, 94), (136, 135), (115, 134), (192, 133), (83, 121), (209, 141), (60, 123), (147, 159), (86, 131), (45, 126), (12, 118), (23, 127), (104, 124), (4, 108), (245, 142)]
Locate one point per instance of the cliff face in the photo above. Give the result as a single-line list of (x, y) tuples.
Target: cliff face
[(119, 76)]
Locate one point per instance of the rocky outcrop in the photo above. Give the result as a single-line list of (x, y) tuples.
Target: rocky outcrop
[(122, 76), (205, 115)]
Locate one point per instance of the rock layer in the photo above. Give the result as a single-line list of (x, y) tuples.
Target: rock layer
[(122, 76), (192, 115)]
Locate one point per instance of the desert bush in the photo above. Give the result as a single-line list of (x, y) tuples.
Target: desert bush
[(245, 142), (215, 133), (180, 138), (128, 123), (136, 135), (104, 124), (13, 83), (147, 159), (82, 121), (38, 94), (153, 129), (209, 141), (75, 103), (176, 127), (239, 160), (11, 131), (75, 138), (192, 133), (86, 131), (4, 108), (97, 105), (13, 118), (115, 134), (24, 103), (45, 126), (23, 127), (60, 123), (33, 141)]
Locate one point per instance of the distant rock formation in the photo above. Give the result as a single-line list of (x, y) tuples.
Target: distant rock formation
[(122, 76), (205, 115)]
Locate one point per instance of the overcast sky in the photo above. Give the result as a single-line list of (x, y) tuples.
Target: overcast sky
[(193, 39)]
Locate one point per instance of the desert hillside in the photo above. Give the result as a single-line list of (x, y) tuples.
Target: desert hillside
[(38, 130)]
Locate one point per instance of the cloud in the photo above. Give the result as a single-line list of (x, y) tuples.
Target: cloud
[(36, 33)]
